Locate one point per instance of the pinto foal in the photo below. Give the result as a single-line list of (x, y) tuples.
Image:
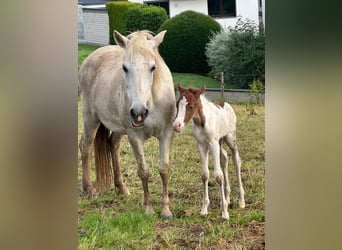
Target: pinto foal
[(213, 125)]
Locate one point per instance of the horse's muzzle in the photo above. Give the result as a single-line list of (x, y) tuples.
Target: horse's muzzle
[(138, 118)]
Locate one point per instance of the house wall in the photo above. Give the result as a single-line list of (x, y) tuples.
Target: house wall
[(244, 8), (80, 25), (178, 6), (96, 25)]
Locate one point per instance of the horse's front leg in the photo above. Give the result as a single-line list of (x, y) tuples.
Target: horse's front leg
[(164, 170), (218, 174), (203, 151), (143, 169)]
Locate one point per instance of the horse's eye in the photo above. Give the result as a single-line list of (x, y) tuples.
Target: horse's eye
[(190, 107), (153, 68), (124, 68)]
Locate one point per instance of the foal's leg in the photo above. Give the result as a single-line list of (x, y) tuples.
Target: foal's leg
[(224, 166), (89, 132), (237, 164), (143, 169), (203, 151), (164, 170), (215, 151), (115, 141)]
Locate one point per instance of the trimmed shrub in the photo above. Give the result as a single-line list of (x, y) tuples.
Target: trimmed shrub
[(183, 48), (239, 52), (117, 15), (144, 17)]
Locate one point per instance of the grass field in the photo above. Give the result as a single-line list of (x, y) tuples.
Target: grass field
[(118, 222), (112, 221)]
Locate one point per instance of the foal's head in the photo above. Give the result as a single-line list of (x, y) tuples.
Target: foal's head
[(139, 65), (188, 107)]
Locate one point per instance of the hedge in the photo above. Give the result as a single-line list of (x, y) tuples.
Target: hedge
[(117, 12), (184, 44), (144, 17)]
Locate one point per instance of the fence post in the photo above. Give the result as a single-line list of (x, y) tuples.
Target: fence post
[(222, 85)]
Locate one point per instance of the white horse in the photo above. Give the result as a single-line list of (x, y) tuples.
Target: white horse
[(126, 89), (213, 125)]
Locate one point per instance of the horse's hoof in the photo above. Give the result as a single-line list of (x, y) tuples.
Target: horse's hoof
[(124, 191), (167, 217), (91, 192)]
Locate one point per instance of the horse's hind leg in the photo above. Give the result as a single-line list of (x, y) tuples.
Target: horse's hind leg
[(143, 170), (224, 166), (87, 139), (231, 140), (115, 141)]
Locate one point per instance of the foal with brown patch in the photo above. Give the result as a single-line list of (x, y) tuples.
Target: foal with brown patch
[(213, 125)]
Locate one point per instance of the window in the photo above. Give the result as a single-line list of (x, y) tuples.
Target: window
[(164, 4), (221, 8)]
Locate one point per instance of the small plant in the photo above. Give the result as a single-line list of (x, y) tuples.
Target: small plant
[(257, 90)]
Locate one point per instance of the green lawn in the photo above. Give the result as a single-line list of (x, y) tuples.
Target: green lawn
[(112, 221), (185, 79)]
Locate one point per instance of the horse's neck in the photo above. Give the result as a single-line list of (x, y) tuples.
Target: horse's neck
[(199, 118)]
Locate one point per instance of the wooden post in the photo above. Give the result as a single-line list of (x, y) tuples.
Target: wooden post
[(222, 85)]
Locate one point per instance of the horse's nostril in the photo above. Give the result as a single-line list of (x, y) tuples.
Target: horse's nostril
[(139, 114)]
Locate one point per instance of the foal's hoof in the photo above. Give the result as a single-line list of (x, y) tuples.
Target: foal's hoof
[(242, 204), (167, 217)]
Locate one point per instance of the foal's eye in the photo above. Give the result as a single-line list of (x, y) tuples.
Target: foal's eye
[(190, 107), (124, 68), (153, 67)]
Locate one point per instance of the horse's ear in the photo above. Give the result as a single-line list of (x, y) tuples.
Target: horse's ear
[(120, 39), (159, 38)]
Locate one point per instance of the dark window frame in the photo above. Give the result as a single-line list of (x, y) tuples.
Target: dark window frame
[(221, 8)]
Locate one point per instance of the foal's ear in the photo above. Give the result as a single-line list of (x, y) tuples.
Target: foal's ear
[(120, 39), (159, 38), (199, 91), (180, 88)]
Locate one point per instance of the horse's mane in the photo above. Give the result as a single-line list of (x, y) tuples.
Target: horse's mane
[(139, 44)]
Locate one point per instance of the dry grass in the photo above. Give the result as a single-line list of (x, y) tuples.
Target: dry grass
[(114, 222)]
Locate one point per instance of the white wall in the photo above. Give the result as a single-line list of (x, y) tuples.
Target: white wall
[(178, 6), (96, 25), (244, 8)]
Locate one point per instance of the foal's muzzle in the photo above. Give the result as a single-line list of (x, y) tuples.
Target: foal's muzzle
[(138, 117)]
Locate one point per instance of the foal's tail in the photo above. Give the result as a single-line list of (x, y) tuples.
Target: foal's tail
[(104, 172)]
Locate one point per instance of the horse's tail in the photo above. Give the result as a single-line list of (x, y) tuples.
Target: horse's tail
[(103, 169)]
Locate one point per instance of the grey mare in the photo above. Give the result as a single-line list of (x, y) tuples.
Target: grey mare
[(126, 89)]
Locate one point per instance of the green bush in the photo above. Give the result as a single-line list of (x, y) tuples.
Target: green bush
[(144, 17), (240, 53), (117, 14), (183, 48)]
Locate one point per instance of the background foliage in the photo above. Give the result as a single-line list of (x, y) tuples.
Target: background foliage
[(117, 12), (144, 17), (239, 52), (184, 43)]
